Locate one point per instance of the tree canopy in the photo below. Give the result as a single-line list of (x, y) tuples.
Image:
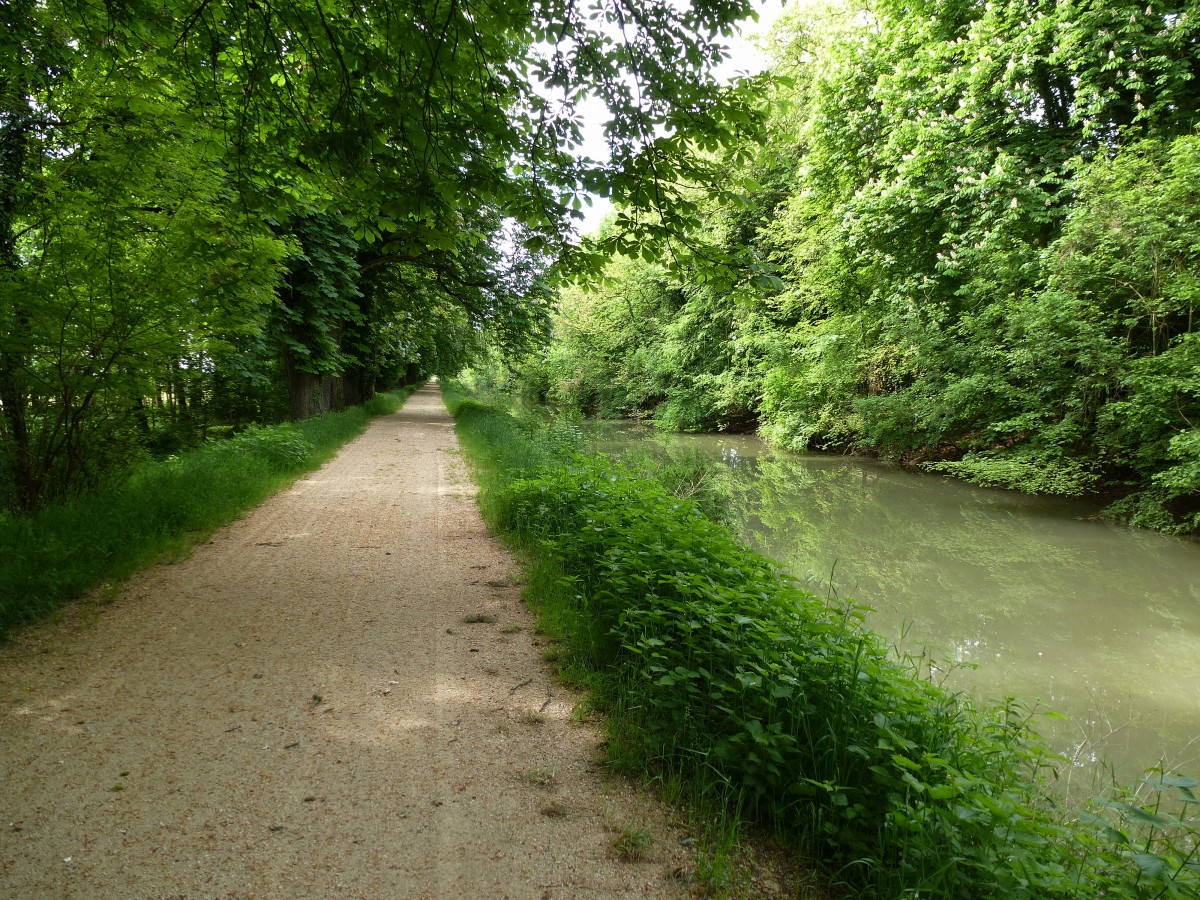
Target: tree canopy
[(204, 201), (983, 224)]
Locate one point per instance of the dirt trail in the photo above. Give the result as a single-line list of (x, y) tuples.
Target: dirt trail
[(300, 710)]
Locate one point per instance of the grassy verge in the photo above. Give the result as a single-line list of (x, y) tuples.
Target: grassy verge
[(162, 509), (726, 680)]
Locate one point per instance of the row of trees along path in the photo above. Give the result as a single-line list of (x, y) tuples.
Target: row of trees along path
[(305, 708)]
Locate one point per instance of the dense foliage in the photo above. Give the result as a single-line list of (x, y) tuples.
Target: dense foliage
[(214, 212), (720, 671), (984, 222)]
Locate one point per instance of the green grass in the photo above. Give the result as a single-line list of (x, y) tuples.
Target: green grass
[(720, 675), (160, 510), (631, 843)]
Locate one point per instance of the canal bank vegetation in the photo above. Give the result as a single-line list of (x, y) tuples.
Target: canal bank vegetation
[(160, 508), (974, 244), (735, 687)]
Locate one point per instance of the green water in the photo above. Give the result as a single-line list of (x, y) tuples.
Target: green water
[(1097, 621)]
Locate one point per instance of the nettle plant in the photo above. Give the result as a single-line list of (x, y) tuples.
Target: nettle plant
[(723, 671)]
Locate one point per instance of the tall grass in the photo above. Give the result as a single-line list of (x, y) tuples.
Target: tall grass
[(160, 509), (721, 673)]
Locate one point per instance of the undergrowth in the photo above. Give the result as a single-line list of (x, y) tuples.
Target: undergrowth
[(723, 675), (162, 508)]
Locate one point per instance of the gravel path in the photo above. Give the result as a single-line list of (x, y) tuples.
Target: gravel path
[(303, 708)]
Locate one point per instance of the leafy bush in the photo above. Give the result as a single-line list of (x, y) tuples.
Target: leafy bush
[(1064, 477), (281, 445), (1183, 478), (690, 474), (810, 384)]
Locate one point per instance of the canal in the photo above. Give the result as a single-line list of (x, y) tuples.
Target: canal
[(1008, 594)]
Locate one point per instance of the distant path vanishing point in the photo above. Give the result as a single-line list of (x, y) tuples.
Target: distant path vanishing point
[(304, 708)]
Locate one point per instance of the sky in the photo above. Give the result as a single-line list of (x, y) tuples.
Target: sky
[(744, 58)]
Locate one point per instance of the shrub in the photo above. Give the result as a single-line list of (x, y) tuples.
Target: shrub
[(1023, 472), (280, 445)]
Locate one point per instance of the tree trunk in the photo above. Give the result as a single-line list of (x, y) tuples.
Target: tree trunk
[(306, 391), (18, 122), (335, 392), (359, 387), (14, 434), (412, 374)]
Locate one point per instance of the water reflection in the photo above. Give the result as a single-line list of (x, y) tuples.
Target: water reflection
[(1097, 621)]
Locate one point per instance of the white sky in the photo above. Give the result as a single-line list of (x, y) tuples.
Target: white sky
[(744, 59)]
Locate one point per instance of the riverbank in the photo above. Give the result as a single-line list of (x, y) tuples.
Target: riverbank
[(1001, 592), (727, 680), (339, 695)]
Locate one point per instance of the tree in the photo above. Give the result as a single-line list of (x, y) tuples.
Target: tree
[(980, 218), (186, 182)]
